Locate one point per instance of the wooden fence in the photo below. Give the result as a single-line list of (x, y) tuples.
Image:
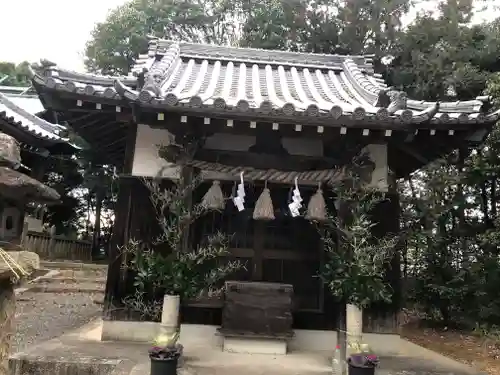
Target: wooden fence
[(50, 246)]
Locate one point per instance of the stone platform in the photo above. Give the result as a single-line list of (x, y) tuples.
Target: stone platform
[(82, 353)]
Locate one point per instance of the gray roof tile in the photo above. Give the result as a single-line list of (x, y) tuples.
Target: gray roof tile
[(15, 115), (245, 79)]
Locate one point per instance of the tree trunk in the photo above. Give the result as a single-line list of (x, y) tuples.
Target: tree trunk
[(89, 207), (97, 223), (7, 313)]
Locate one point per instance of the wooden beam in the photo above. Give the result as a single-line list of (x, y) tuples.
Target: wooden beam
[(265, 161), (208, 126)]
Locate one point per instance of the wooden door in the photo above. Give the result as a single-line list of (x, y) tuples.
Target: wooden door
[(290, 254), (284, 250)]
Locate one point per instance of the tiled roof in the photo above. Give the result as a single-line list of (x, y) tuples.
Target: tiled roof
[(269, 83), (12, 113), (30, 103)]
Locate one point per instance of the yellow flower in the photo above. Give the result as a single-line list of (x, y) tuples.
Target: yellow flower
[(164, 340)]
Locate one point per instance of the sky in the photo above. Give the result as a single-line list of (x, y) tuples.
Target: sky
[(53, 29), (58, 29)]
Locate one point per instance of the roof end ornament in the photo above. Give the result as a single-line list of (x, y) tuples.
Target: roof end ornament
[(125, 91), (391, 99), (141, 78), (427, 113)]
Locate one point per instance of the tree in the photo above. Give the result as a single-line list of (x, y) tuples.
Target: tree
[(64, 176), (100, 196), (322, 26), (14, 75), (117, 42)]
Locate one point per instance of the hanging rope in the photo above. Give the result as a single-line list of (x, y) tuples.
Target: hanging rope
[(328, 176)]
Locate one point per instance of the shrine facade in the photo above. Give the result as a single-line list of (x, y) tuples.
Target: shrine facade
[(278, 118)]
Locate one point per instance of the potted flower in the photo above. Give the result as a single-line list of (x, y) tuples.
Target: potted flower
[(165, 354), (362, 364)]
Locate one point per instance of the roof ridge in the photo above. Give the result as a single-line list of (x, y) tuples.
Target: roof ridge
[(298, 53), (257, 55)]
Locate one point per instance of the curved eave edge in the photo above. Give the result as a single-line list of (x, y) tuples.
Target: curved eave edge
[(84, 78), (433, 112), (72, 86), (19, 125), (92, 79), (406, 116), (35, 120)]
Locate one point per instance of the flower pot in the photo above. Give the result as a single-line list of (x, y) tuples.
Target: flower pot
[(355, 370), (360, 364), (164, 366)]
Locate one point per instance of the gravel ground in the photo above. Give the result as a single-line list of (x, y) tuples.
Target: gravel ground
[(44, 316)]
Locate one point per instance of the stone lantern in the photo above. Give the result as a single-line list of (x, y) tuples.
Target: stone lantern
[(21, 189)]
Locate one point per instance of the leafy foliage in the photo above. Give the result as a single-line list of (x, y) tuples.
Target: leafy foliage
[(165, 266), (357, 260)]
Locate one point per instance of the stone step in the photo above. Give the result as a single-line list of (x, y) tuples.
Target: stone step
[(21, 364), (77, 269), (73, 266), (83, 273), (67, 288), (71, 280)]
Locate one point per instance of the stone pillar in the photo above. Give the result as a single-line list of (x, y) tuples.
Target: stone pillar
[(170, 314), (354, 325), (7, 314)]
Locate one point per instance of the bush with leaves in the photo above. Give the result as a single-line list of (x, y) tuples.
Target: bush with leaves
[(356, 260), (164, 266)]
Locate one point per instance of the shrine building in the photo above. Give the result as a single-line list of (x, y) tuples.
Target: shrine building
[(277, 117)]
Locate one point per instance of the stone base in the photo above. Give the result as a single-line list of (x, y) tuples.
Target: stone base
[(22, 364), (254, 345), (207, 336), (82, 353)]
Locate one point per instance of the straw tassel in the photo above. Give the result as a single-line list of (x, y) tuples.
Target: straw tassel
[(316, 209), (214, 199), (264, 209)]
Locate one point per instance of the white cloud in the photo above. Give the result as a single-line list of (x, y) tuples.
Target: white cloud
[(53, 29)]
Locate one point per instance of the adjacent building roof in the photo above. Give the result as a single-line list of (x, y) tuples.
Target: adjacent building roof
[(273, 84), (13, 111)]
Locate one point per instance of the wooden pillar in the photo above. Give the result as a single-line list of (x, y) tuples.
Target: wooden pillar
[(7, 314), (114, 290), (114, 294)]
